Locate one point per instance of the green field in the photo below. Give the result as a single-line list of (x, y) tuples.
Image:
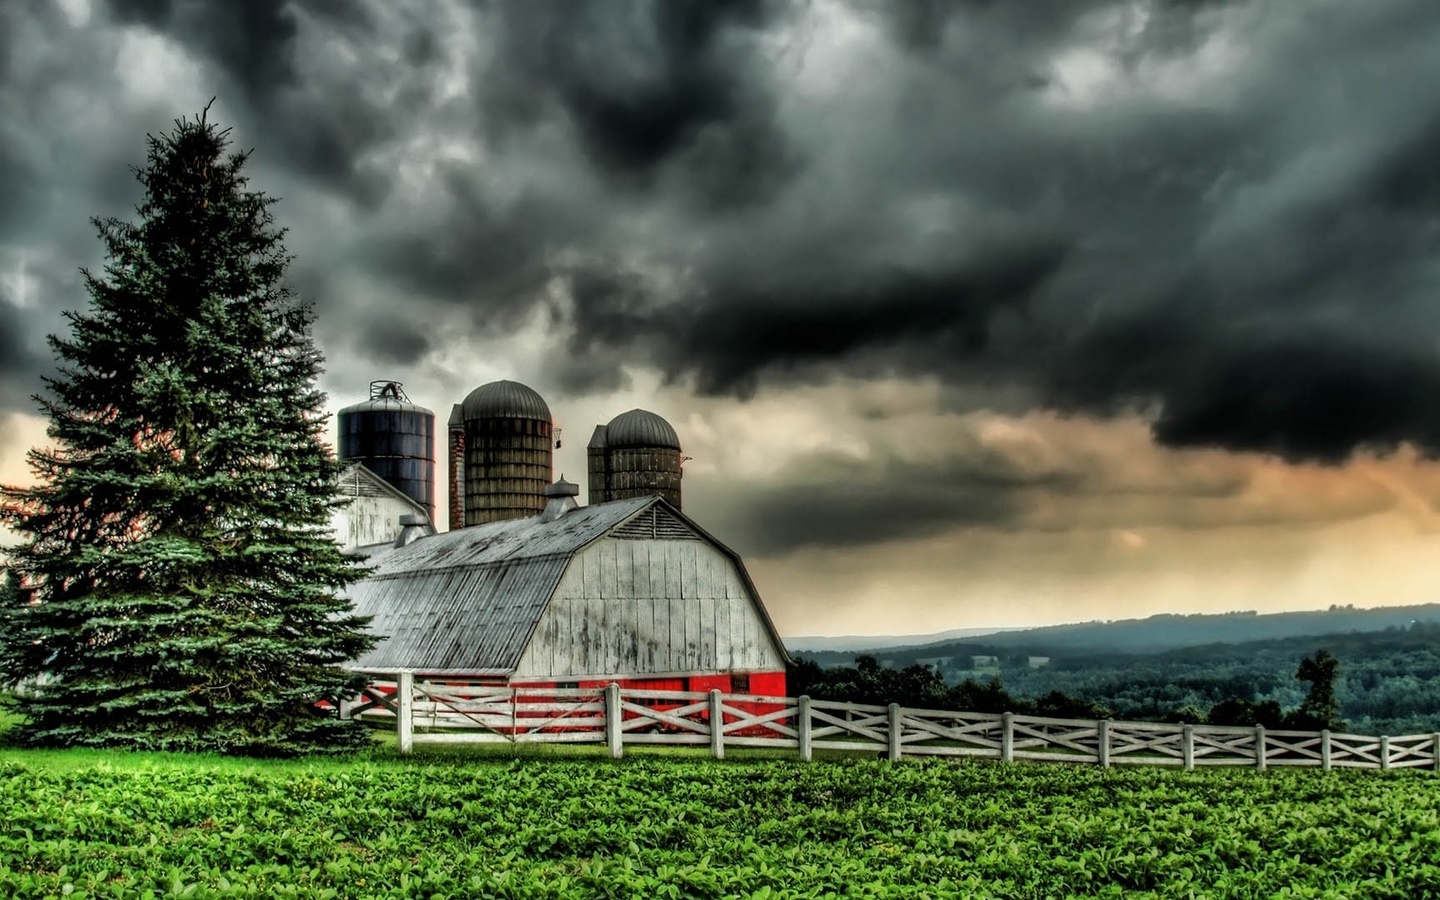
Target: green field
[(573, 824)]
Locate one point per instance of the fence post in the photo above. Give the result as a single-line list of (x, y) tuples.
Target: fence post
[(1325, 750), (1007, 737), (892, 717), (1385, 752), (613, 717), (1260, 747), (1102, 742), (717, 726), (1435, 748), (1187, 746), (802, 727), (405, 711)]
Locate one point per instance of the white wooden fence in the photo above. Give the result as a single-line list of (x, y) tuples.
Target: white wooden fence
[(458, 713)]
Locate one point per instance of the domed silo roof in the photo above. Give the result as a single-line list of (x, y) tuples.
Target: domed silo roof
[(640, 428), (504, 400)]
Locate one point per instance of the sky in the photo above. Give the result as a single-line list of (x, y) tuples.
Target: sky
[(968, 313)]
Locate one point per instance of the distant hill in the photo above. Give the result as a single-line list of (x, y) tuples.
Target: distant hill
[(812, 643), (1155, 634)]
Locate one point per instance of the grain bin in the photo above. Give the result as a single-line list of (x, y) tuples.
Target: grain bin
[(393, 438)]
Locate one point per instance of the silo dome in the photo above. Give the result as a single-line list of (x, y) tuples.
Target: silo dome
[(504, 400), (640, 428)]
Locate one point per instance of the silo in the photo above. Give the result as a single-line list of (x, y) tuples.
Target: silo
[(636, 455), (393, 438), (509, 448), (456, 494)]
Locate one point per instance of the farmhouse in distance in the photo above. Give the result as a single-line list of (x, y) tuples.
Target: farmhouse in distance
[(535, 590)]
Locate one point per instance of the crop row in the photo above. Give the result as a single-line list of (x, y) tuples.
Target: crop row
[(689, 828)]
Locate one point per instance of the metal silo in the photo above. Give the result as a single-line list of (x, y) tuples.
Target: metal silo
[(636, 455), (509, 451), (393, 438)]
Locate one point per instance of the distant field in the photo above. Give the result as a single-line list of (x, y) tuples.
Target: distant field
[(569, 823)]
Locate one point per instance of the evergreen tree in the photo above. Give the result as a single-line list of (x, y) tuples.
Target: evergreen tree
[(178, 536), (9, 590)]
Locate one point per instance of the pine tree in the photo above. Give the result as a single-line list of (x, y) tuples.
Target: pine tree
[(189, 591)]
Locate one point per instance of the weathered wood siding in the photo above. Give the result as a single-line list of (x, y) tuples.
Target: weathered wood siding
[(367, 520), (649, 607)]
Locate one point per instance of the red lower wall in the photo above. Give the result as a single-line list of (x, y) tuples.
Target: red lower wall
[(764, 684)]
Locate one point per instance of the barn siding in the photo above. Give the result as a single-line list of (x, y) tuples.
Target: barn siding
[(366, 521), (688, 611)]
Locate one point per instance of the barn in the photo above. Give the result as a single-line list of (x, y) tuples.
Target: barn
[(373, 514), (629, 591)]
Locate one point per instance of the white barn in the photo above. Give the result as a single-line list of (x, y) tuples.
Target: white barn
[(631, 591)]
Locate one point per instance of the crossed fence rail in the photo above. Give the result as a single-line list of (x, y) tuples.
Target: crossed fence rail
[(456, 712)]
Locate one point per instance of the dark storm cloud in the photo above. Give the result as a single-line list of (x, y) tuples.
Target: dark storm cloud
[(18, 361), (836, 501), (1220, 214), (21, 168), (20, 187), (253, 42), (1306, 393), (732, 335), (393, 338), (647, 86), (323, 125), (480, 252), (1254, 268)]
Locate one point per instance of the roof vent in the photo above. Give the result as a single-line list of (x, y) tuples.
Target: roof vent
[(561, 496), (412, 528)]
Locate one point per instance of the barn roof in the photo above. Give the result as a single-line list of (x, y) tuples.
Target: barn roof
[(466, 602)]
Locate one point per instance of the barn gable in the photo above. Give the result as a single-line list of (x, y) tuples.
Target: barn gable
[(654, 607)]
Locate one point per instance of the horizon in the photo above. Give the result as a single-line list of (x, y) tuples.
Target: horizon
[(983, 630), (962, 314)]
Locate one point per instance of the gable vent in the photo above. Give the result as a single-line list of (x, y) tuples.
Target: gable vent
[(354, 484), (652, 524)]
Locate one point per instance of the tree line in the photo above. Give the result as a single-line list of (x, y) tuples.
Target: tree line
[(922, 686)]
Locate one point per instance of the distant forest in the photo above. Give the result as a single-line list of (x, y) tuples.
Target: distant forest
[(1388, 679)]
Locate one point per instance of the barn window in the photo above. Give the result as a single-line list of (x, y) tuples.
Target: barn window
[(740, 684)]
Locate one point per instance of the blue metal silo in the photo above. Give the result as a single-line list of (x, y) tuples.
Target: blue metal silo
[(393, 438)]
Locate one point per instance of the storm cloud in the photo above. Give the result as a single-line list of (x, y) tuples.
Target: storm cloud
[(1221, 217)]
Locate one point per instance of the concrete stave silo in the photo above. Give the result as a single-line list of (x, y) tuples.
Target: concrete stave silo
[(508, 440), (637, 454), (393, 438)]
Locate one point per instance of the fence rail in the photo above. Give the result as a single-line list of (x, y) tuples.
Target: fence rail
[(457, 712)]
